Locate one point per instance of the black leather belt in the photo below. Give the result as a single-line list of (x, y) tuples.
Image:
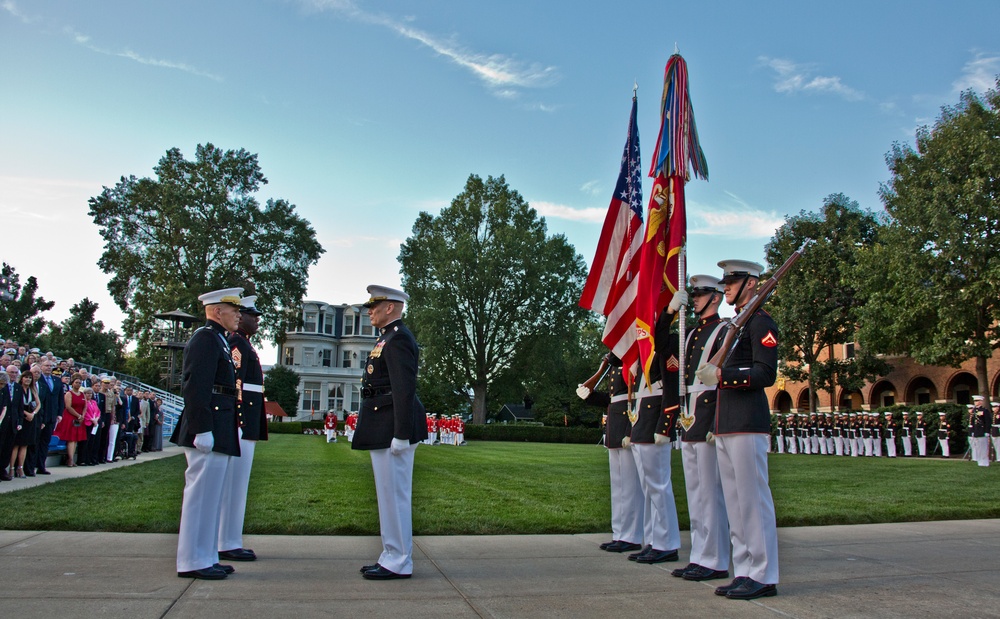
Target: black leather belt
[(371, 392), (224, 390)]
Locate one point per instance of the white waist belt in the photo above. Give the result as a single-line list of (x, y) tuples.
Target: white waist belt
[(620, 397), (699, 388), (254, 388)]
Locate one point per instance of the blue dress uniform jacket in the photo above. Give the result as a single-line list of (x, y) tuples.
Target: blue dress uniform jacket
[(207, 370), (982, 419), (700, 349), (390, 407), (751, 367), (618, 425), (657, 414), (250, 405)]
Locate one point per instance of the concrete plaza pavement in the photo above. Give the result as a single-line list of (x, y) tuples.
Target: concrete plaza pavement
[(934, 569)]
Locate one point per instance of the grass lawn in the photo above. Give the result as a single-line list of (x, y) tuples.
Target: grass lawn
[(301, 485)]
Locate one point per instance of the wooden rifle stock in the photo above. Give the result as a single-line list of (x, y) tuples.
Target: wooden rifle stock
[(602, 371), (764, 292)]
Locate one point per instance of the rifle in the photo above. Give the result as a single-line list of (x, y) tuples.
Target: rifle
[(602, 371), (764, 293)]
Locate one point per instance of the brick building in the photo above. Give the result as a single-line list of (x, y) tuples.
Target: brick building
[(908, 383)]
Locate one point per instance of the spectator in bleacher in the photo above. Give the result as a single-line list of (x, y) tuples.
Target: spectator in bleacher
[(141, 444), (112, 403), (91, 423), (24, 415), (6, 428), (70, 428), (85, 380), (50, 391), (156, 424)]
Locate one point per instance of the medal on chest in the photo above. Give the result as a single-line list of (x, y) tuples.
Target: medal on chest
[(687, 420), (376, 352)]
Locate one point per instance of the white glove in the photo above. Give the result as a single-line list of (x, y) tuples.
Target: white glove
[(204, 442), (660, 439), (583, 392), (706, 374), (680, 298), (626, 442), (398, 446)]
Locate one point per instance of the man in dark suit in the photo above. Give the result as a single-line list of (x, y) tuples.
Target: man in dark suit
[(207, 427), (742, 434), (253, 428), (50, 392), (390, 426)]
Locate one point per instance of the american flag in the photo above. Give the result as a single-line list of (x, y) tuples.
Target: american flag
[(613, 280)]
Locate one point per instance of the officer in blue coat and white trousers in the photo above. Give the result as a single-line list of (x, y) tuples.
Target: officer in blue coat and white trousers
[(207, 428), (742, 436), (391, 423)]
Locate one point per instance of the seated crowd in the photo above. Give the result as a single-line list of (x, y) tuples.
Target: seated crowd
[(99, 418)]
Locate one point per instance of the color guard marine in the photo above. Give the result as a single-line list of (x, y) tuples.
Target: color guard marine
[(890, 436), (920, 432), (995, 430), (979, 429), (907, 435), (943, 430)]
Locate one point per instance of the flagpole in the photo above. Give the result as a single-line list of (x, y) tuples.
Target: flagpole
[(681, 331)]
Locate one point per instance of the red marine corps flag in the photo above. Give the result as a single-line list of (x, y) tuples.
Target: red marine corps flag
[(661, 267), (613, 280)]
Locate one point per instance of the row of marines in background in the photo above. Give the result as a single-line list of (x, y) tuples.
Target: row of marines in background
[(863, 433)]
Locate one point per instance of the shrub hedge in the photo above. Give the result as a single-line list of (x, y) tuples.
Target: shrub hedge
[(531, 433)]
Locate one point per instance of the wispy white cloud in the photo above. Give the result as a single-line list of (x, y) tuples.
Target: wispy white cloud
[(591, 187), (979, 74), (791, 77), (503, 75), (45, 199), (561, 211), (733, 220), (12, 8)]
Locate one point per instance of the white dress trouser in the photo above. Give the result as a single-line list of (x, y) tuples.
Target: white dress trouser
[(890, 447), (922, 446), (752, 526), (907, 446), (945, 448), (200, 509), (234, 498), (112, 440), (626, 497), (661, 528), (996, 447), (394, 489), (706, 506), (981, 449)]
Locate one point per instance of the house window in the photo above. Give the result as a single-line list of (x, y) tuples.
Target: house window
[(348, 324), (849, 351), (347, 359), (328, 324), (335, 399), (308, 356), (366, 325), (355, 398), (310, 322), (289, 355), (311, 397), (327, 358)]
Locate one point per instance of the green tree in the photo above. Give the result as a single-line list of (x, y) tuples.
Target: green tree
[(20, 309), (83, 338), (816, 306), (933, 278), (199, 227), (486, 281), (282, 386)]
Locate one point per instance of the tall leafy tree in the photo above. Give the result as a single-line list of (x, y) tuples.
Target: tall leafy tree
[(197, 227), (816, 306), (20, 309), (282, 386), (83, 338), (933, 277), (485, 282)]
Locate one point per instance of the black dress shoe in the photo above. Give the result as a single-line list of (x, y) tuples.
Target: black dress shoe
[(368, 568), (43, 472), (751, 590), (238, 554), (380, 573), (5, 476), (29, 473), (658, 556), (229, 569), (679, 572), (208, 573), (636, 555), (724, 589), (605, 545), (700, 573), (621, 546)]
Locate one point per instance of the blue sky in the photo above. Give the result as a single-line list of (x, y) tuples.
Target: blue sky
[(364, 113)]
